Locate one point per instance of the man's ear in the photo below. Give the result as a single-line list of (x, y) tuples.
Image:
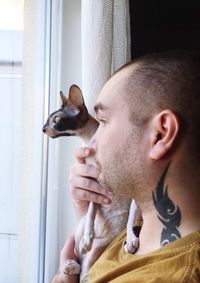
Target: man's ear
[(75, 96), (164, 130)]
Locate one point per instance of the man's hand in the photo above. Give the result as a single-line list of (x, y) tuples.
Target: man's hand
[(84, 186), (66, 253)]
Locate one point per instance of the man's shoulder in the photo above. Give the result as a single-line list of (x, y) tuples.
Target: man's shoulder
[(176, 262)]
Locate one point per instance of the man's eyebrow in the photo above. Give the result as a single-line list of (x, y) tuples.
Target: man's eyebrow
[(99, 106)]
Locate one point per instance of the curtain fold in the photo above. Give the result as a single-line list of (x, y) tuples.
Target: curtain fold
[(105, 43)]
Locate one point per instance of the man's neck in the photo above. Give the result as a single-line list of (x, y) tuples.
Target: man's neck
[(170, 215)]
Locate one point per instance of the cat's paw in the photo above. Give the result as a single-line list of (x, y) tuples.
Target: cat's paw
[(86, 243), (131, 244), (71, 267)]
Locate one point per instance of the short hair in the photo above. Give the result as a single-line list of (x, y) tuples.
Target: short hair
[(166, 80)]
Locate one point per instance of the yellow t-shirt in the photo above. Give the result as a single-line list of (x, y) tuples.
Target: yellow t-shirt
[(177, 262)]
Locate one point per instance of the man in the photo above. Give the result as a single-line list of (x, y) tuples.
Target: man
[(147, 148)]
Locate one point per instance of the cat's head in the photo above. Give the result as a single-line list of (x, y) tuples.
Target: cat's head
[(72, 115)]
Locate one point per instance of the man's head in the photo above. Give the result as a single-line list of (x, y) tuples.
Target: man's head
[(148, 111)]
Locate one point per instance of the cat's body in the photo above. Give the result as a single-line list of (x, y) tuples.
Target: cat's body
[(102, 223)]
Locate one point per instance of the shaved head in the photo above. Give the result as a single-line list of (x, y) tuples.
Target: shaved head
[(165, 80)]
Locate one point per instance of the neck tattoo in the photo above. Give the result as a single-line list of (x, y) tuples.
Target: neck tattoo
[(168, 212)]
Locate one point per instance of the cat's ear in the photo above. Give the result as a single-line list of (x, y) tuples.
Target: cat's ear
[(75, 96), (64, 99)]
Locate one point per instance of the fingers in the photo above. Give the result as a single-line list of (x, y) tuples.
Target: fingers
[(83, 180), (85, 170), (83, 190), (67, 253), (88, 189), (91, 196), (83, 153), (83, 184)]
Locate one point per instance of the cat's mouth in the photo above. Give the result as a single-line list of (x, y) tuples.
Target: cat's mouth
[(62, 135), (52, 133)]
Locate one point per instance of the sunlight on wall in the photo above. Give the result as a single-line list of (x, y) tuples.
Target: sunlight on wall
[(11, 14)]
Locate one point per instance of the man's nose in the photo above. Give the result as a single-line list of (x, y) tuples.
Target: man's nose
[(93, 142)]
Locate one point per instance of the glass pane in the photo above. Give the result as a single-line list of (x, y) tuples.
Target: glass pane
[(11, 41)]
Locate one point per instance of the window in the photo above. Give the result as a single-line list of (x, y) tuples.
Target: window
[(11, 43), (39, 56)]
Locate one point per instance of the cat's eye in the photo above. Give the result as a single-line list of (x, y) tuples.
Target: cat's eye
[(57, 119)]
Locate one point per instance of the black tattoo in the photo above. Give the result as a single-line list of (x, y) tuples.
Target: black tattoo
[(169, 213)]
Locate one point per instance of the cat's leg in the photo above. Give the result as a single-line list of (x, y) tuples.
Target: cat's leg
[(71, 267), (88, 235), (133, 228), (91, 257)]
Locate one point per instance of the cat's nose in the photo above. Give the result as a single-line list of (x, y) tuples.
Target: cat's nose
[(44, 128)]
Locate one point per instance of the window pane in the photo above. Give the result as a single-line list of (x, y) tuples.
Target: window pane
[(11, 41)]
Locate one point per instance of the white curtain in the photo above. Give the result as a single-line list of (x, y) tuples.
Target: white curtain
[(105, 43)]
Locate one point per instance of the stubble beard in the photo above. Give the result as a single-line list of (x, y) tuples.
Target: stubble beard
[(122, 170), (117, 174)]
